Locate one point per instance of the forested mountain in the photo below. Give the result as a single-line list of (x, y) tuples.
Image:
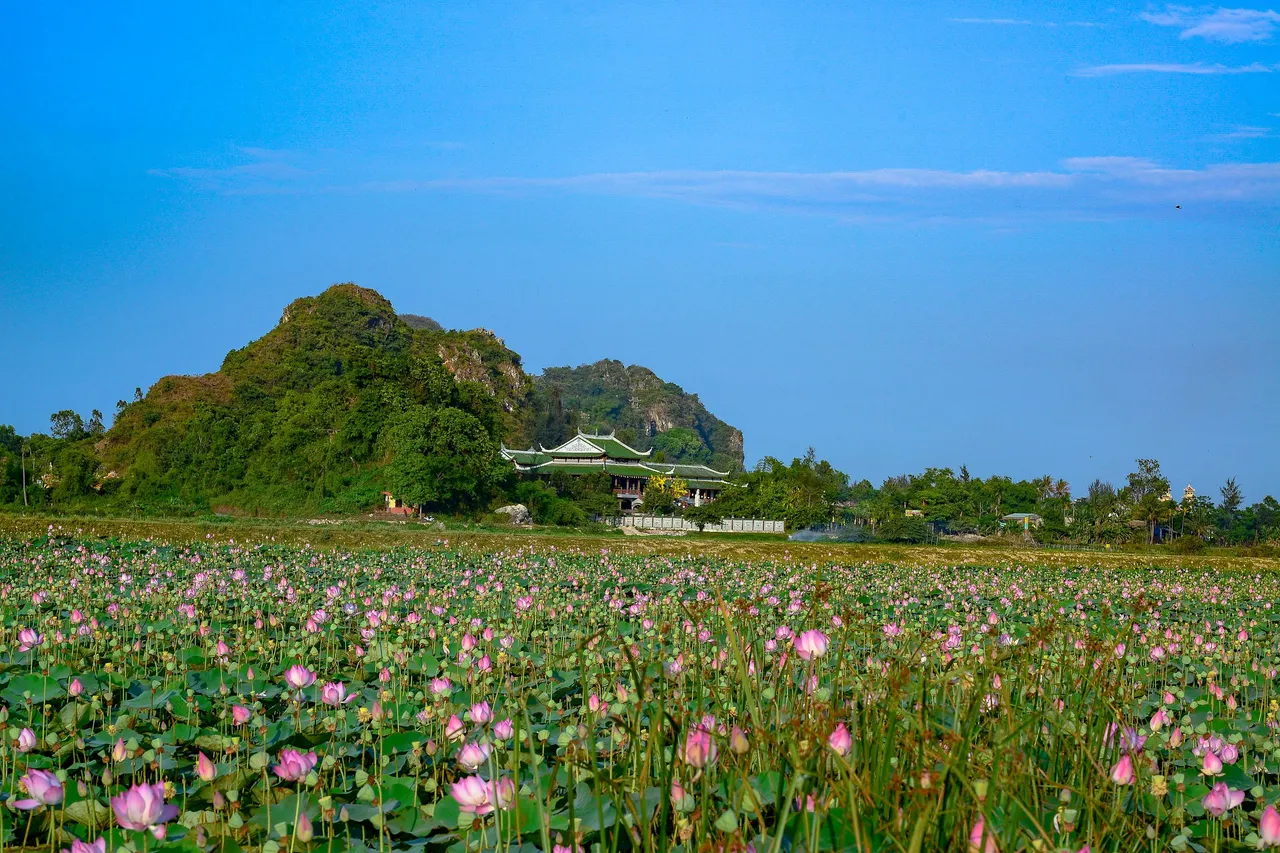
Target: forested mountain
[(342, 399), (645, 411)]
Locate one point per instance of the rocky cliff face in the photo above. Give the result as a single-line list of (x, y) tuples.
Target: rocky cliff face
[(609, 395)]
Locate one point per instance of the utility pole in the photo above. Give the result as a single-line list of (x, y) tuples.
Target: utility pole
[(24, 474)]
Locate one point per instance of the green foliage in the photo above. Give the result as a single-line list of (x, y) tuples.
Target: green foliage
[(441, 458), (682, 444), (609, 396), (802, 493), (704, 514)]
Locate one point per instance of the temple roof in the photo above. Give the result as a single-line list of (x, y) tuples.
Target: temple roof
[(588, 452)]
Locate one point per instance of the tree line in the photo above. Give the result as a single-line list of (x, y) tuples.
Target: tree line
[(437, 450)]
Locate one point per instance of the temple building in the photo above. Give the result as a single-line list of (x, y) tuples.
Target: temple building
[(629, 469)]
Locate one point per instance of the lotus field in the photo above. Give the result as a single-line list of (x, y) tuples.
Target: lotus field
[(217, 696)]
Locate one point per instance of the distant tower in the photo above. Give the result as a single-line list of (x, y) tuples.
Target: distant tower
[(1188, 494)]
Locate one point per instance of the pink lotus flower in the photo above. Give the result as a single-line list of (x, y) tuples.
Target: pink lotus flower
[(29, 639), (1269, 828), (840, 740), (981, 841), (78, 846), (440, 687), (303, 830), (472, 756), (142, 807), (481, 713), (294, 765), (455, 729), (811, 644), (120, 751), (472, 795), (206, 769), (299, 677), (44, 787), (335, 693), (240, 715), (503, 730), (75, 688), (699, 749), (503, 793), (1211, 765), (1122, 773), (1221, 799), (26, 741), (738, 743)]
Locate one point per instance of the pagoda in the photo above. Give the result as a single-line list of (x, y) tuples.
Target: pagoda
[(629, 469)]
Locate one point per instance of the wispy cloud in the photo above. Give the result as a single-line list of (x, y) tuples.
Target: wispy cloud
[(265, 166), (1246, 131), (1090, 187), (1021, 22), (1171, 68), (1230, 26), (1008, 22)]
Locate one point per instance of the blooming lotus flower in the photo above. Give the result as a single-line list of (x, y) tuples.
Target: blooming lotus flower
[(26, 741), (206, 769), (240, 715), (1229, 753), (29, 639), (1221, 799), (335, 693), (455, 729), (294, 765), (472, 756), (840, 740), (1211, 765), (481, 713), (1269, 828), (699, 749), (142, 807), (1122, 773), (44, 787), (503, 730), (78, 846), (441, 687), (811, 644), (473, 795), (299, 677)]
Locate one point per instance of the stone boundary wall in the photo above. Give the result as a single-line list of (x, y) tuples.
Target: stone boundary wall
[(670, 522)]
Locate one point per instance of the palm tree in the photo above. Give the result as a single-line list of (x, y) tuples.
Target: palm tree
[(1153, 509)]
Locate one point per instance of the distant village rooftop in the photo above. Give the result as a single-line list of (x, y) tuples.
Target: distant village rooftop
[(628, 468)]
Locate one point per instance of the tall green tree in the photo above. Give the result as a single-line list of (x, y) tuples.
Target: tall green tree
[(442, 459)]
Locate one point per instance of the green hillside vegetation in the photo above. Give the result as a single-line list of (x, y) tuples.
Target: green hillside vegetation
[(341, 400), (645, 411), (309, 418)]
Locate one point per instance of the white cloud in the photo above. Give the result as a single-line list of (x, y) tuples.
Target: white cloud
[(1086, 187), (1246, 131), (1171, 68), (1230, 26), (1015, 22)]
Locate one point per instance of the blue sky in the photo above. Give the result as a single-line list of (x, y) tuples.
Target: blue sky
[(907, 234)]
